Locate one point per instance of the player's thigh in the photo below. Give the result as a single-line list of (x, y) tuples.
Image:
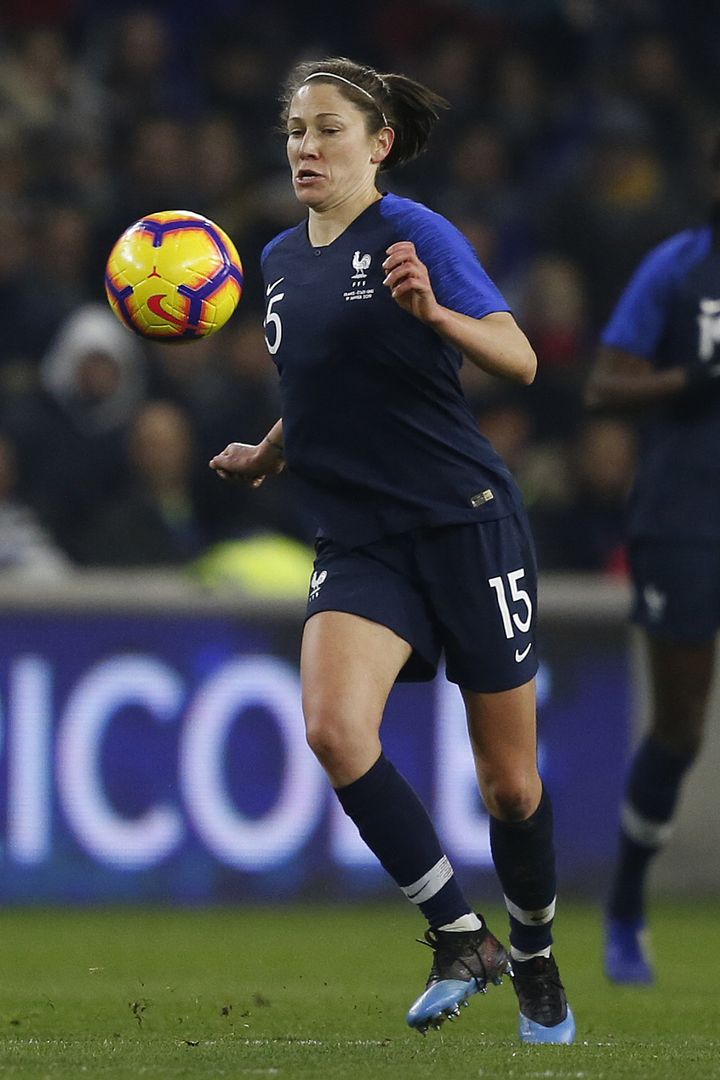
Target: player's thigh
[(377, 583), (346, 657), (681, 677), (348, 666), (503, 734), (677, 604)]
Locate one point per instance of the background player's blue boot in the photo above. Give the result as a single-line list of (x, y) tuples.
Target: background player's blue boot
[(464, 964), (545, 1016), (627, 959)]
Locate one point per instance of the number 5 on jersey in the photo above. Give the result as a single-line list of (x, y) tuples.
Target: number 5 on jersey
[(273, 336)]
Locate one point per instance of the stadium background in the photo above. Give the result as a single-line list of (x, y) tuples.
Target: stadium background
[(148, 716)]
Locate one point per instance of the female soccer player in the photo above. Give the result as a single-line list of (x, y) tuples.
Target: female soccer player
[(660, 356), (423, 545)]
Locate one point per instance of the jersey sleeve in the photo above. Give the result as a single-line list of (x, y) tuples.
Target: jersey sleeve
[(638, 322), (458, 278)]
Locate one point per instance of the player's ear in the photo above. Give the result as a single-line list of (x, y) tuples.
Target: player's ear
[(383, 145)]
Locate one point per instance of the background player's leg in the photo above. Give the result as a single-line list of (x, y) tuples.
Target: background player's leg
[(502, 730), (681, 676)]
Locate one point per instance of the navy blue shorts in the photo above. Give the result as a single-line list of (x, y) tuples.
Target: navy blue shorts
[(677, 587), (466, 590)]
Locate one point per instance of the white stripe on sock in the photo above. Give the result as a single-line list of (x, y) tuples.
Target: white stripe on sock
[(430, 883), (463, 924), (516, 954), (652, 834), (531, 918)]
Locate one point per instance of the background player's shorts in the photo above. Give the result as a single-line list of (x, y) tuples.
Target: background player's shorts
[(466, 590), (676, 587)]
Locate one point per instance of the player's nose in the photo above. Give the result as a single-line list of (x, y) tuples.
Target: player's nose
[(308, 145)]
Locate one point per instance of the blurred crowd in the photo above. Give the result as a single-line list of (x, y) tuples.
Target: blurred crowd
[(575, 140)]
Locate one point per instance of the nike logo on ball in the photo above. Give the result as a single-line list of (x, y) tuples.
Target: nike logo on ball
[(520, 656)]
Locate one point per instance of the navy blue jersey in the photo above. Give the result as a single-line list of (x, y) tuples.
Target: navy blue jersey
[(670, 314), (377, 430)]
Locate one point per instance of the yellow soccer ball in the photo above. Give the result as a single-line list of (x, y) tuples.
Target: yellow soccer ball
[(174, 276)]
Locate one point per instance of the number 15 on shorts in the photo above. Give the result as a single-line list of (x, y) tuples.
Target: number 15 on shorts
[(520, 617)]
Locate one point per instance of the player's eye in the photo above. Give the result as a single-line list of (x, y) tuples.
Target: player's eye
[(330, 131)]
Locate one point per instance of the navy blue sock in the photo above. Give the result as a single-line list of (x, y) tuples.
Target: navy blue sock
[(396, 827), (524, 856), (651, 796)]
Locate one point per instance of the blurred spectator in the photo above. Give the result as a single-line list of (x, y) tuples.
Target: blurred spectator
[(14, 178), (155, 172), (480, 182), (619, 202), (542, 469), (224, 191), (658, 86), (146, 68), (587, 533), (14, 270), (25, 547), (43, 89), (69, 430), (553, 310), (520, 108), (155, 521), (58, 281)]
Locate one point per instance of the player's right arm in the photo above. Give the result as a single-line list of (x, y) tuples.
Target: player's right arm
[(252, 463)]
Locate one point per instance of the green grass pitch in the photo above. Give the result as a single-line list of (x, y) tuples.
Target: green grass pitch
[(321, 992)]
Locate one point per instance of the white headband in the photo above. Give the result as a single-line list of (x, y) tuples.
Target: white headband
[(332, 75)]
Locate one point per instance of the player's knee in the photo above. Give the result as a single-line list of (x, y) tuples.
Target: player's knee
[(325, 734), (511, 798)]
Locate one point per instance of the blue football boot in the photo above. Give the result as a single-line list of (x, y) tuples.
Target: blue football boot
[(545, 1016), (464, 963), (627, 956)]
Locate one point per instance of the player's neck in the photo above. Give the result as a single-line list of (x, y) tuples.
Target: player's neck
[(324, 226)]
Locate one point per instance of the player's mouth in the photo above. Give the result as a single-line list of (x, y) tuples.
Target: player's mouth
[(307, 177)]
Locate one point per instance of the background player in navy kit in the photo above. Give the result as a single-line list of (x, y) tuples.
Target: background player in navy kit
[(660, 355), (423, 545)]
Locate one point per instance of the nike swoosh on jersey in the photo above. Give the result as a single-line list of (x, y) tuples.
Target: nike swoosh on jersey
[(271, 287), (520, 656)]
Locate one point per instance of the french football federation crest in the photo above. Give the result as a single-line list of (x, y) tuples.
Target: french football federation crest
[(361, 264), (316, 582)]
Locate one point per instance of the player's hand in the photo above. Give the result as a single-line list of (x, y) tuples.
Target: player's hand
[(247, 463), (408, 280)]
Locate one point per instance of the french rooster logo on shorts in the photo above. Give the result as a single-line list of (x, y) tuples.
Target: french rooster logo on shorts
[(316, 583)]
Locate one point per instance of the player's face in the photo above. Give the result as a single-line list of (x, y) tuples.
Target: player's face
[(332, 156)]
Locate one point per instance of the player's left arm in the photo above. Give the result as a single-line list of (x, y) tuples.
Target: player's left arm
[(495, 342)]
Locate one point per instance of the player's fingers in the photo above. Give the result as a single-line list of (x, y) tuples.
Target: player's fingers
[(221, 457), (393, 277), (401, 247), (394, 262), (413, 280)]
